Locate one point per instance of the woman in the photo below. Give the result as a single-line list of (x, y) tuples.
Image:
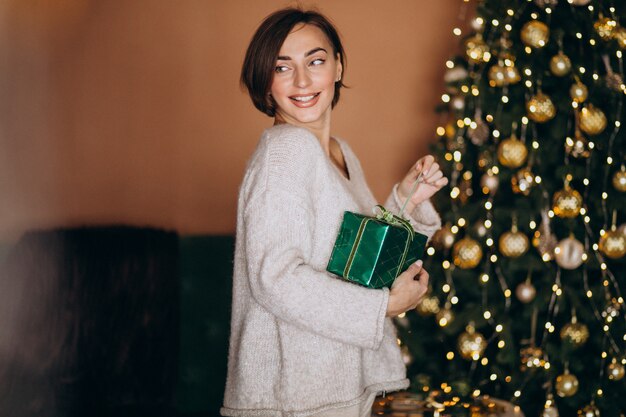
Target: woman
[(305, 342)]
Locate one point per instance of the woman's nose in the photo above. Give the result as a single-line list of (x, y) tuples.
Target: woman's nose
[(302, 78)]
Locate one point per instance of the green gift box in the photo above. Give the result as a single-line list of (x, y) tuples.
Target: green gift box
[(373, 251)]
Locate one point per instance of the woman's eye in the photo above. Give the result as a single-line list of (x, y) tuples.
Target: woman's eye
[(281, 68), (318, 61)]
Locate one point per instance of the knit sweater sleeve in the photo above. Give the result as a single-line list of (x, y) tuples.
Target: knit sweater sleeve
[(424, 218), (278, 222)]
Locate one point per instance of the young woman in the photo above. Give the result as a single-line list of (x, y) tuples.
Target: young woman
[(305, 342)]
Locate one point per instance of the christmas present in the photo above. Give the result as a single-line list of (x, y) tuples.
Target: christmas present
[(373, 251)]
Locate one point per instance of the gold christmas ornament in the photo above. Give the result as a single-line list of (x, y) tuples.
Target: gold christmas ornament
[(560, 64), (613, 243), (512, 152), (476, 49), (523, 181), (428, 306), (615, 370), (543, 239), (444, 317), (614, 82), (592, 120), (467, 253), (569, 253), (567, 202), (540, 108), (619, 34), (443, 238), (575, 333), (566, 384), (471, 344), (579, 92), (525, 291), (513, 243), (577, 147), (589, 411), (535, 34), (619, 179), (532, 357), (497, 75), (605, 27)]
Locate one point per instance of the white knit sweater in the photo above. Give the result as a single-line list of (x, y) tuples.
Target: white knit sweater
[(303, 340)]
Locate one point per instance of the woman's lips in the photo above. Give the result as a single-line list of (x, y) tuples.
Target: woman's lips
[(305, 100)]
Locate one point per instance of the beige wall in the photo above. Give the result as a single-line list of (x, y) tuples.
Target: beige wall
[(131, 112)]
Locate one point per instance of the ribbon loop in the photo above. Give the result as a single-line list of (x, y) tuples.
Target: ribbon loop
[(388, 217)]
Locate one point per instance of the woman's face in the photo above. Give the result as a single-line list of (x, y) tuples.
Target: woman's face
[(304, 79)]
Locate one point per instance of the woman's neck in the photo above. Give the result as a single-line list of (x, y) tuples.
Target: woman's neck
[(320, 129)]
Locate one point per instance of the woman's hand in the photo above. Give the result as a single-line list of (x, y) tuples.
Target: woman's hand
[(431, 182), (407, 290)]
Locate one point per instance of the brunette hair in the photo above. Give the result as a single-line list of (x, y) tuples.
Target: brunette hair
[(257, 72)]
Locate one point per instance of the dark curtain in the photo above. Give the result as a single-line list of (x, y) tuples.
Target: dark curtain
[(89, 323)]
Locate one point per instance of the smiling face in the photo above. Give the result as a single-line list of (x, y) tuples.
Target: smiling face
[(303, 86)]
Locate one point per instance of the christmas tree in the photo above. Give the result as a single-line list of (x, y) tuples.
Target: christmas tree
[(528, 271)]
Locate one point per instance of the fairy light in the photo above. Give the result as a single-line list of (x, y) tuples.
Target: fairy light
[(510, 12), (449, 64), (489, 118), (595, 76), (475, 91), (617, 123), (501, 344), (489, 242), (599, 392), (495, 169), (508, 378), (461, 222), (495, 22), (488, 206), (493, 377), (450, 356), (507, 293), (445, 98), (550, 214), (454, 300), (534, 15), (590, 8), (584, 257), (430, 251), (488, 223), (587, 219), (581, 70), (517, 394), (528, 50), (609, 160), (457, 31), (532, 225), (574, 106), (579, 35), (586, 181), (603, 266), (493, 258), (505, 99), (499, 328), (528, 71), (484, 361), (484, 278), (454, 193), (464, 88), (548, 10), (476, 393), (605, 195), (487, 315), (535, 144), (448, 156), (591, 145), (446, 265), (460, 124), (508, 27), (445, 288), (589, 294), (592, 42)]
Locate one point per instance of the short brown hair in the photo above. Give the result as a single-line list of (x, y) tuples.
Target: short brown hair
[(257, 72)]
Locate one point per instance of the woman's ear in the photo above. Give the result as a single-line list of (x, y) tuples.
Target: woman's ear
[(339, 68)]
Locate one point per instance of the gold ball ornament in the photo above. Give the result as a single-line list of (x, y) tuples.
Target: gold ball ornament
[(569, 253), (613, 244), (523, 181), (428, 306), (605, 27), (540, 108), (589, 411), (444, 317), (578, 92), (443, 238), (531, 357), (615, 370), (476, 49), (535, 34), (578, 147), (614, 82), (560, 65), (471, 344), (478, 132), (567, 202), (619, 35), (497, 76), (619, 180), (592, 120), (467, 253), (512, 152), (525, 292), (566, 384), (575, 333), (513, 243)]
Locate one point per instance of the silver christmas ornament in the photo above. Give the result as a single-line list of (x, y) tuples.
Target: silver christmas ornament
[(569, 253)]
